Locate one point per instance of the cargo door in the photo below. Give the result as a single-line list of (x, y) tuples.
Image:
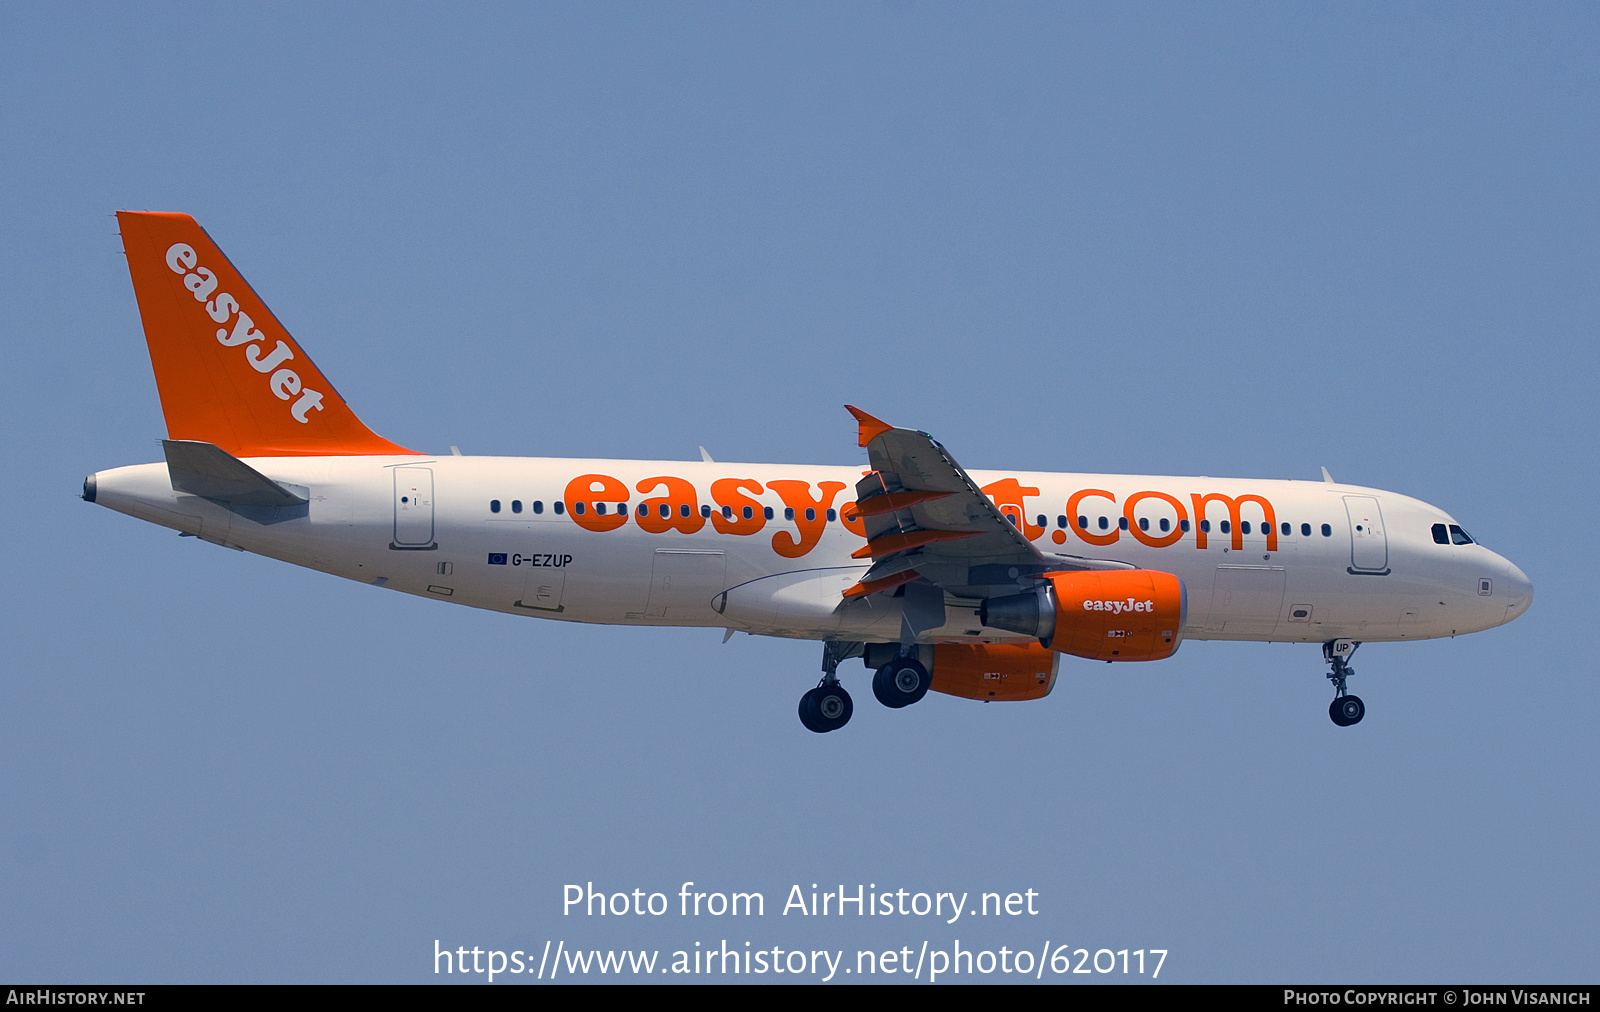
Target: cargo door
[(683, 582), (1246, 600)]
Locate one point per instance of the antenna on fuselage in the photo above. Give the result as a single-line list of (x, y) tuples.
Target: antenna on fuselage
[(1328, 477)]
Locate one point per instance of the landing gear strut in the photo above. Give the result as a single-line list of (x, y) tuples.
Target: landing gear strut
[(1345, 709), (828, 707)]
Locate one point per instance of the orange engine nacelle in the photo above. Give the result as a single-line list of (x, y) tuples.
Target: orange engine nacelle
[(1106, 615), (993, 671)]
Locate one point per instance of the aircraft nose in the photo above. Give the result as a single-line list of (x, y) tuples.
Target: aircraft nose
[(1519, 591)]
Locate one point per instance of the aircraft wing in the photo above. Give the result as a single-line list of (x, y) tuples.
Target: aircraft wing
[(926, 519)]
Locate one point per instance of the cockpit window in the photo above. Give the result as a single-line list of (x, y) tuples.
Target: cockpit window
[(1459, 536), (1441, 536)]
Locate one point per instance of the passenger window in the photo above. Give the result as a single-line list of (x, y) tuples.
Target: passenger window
[(766, 511), (1288, 529), (1441, 536), (1183, 525), (1205, 527), (1061, 522), (644, 510), (1166, 525), (560, 507), (705, 511), (599, 508), (1244, 527), (1122, 523), (683, 510), (1305, 530), (1144, 524), (1044, 521), (749, 513), (1083, 523), (516, 505), (538, 506), (1327, 531), (579, 508), (788, 512), (494, 505), (832, 515), (727, 512), (666, 511), (1104, 523), (1226, 529), (811, 513)]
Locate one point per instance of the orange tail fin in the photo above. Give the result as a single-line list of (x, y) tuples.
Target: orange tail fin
[(227, 371)]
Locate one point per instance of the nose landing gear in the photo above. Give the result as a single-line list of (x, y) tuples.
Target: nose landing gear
[(1345, 709)]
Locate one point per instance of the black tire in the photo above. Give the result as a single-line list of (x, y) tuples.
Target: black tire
[(901, 682), (1346, 710), (830, 707), (808, 714), (1351, 710)]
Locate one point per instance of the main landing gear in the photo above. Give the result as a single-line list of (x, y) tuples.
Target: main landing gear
[(828, 707), (1345, 708), (899, 681)]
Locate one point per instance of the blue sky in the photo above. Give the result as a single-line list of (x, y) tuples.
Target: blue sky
[(1243, 240)]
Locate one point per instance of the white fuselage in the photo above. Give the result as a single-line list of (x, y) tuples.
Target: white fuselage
[(464, 529)]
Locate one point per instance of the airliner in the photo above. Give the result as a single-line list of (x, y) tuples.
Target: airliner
[(970, 583)]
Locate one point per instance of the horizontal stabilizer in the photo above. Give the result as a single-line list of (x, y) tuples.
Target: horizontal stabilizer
[(207, 470)]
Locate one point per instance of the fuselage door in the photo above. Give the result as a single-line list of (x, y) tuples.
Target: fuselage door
[(1246, 600), (413, 507), (683, 582), (1369, 546)]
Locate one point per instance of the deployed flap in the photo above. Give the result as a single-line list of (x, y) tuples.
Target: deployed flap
[(923, 512), (207, 470)]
